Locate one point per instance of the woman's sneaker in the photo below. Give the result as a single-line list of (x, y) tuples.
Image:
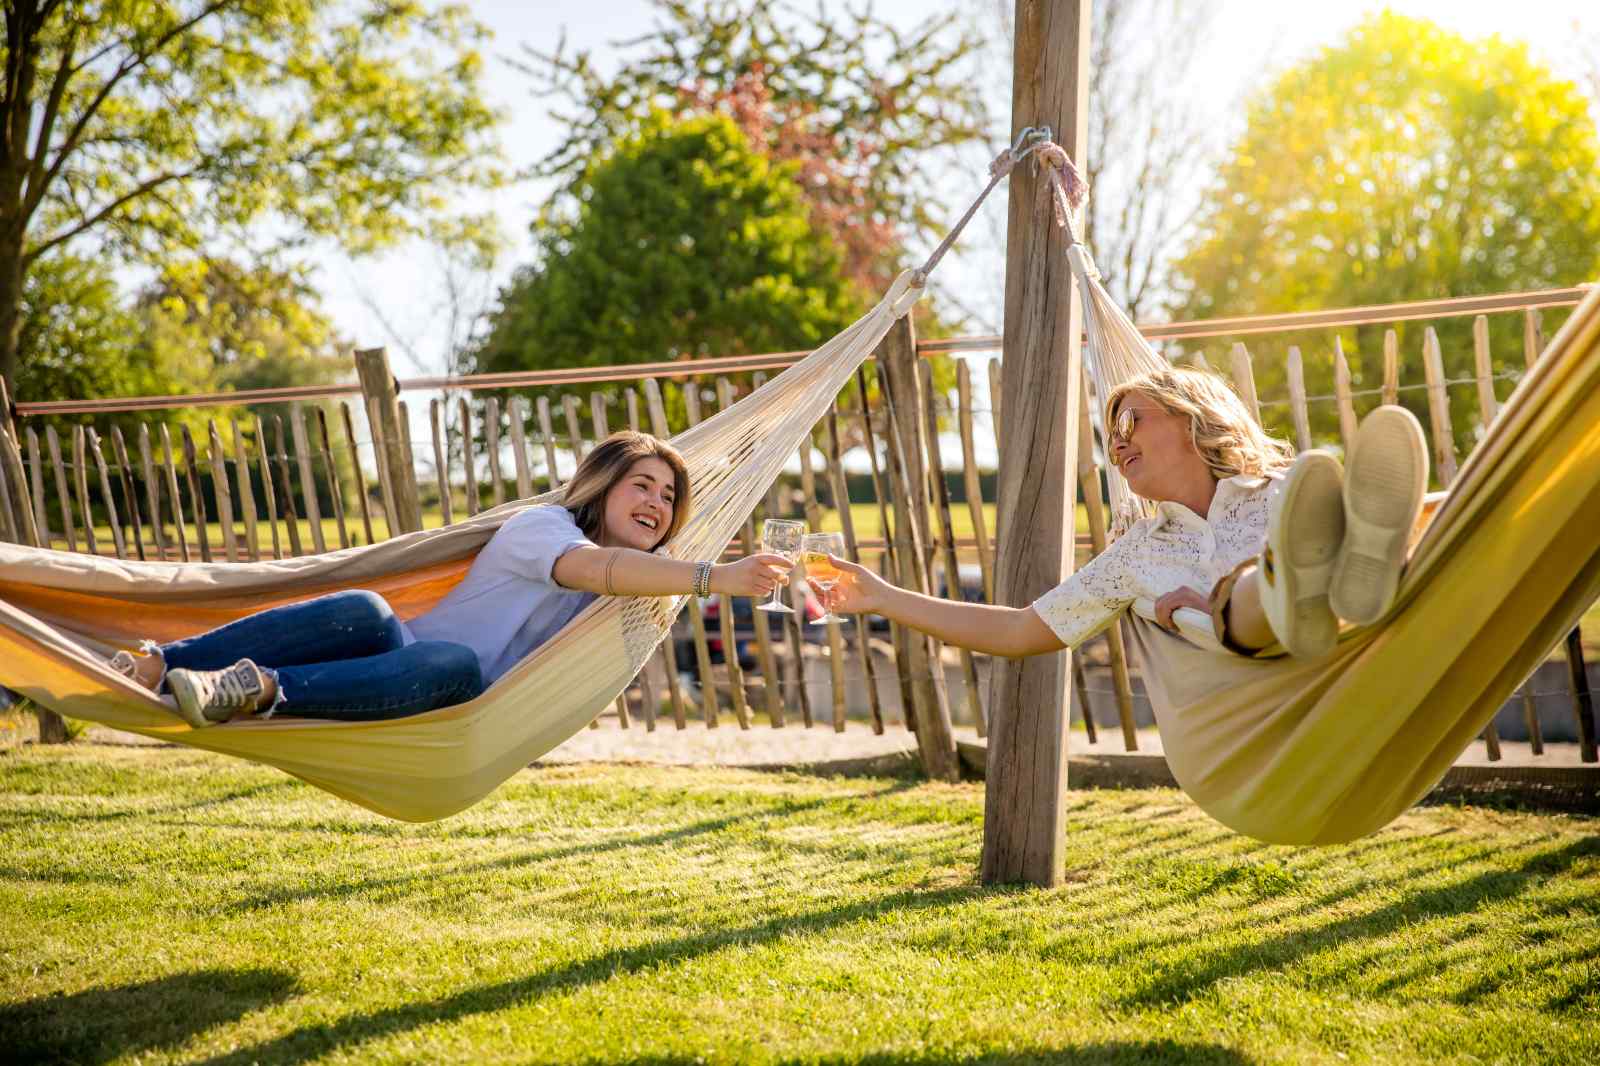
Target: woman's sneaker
[(133, 666), (1305, 525), (206, 697), (1383, 486)]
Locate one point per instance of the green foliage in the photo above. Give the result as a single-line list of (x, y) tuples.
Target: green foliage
[(158, 127), (77, 327), (684, 242), (1404, 163)]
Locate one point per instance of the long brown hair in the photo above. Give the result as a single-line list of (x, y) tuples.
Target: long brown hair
[(608, 464)]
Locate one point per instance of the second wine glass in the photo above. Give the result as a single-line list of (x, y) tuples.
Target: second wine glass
[(816, 550), (780, 536)]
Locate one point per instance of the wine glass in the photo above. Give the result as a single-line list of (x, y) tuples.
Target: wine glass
[(815, 549), (779, 536)]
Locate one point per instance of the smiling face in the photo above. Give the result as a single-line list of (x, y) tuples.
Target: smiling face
[(1154, 448), (639, 507)]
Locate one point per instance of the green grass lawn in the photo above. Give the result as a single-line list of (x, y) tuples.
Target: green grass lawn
[(164, 905)]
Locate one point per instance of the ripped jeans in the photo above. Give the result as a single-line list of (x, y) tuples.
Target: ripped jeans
[(340, 656)]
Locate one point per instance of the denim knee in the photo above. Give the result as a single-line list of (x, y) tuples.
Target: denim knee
[(369, 612), (456, 665)]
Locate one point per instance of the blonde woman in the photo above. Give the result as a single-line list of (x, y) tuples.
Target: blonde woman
[(347, 656), (1275, 549)]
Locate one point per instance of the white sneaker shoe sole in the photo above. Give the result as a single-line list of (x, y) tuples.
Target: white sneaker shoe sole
[(1305, 526), (182, 684), (1383, 487)]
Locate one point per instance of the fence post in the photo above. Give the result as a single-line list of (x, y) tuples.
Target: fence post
[(378, 388), (897, 370)]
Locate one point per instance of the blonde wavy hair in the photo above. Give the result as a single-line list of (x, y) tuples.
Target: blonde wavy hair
[(1223, 432), (608, 464)]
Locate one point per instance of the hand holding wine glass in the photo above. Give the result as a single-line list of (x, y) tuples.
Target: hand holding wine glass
[(780, 536), (816, 553)]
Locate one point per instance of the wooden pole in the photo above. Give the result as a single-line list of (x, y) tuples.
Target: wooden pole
[(172, 493), (517, 414), (41, 520), (63, 493), (930, 701), (247, 493), (841, 499), (378, 386), (1244, 379), (1343, 397), (1024, 823), (80, 478), (220, 495), (355, 468), (491, 441), (972, 481), (1297, 400), (308, 480), (1444, 440)]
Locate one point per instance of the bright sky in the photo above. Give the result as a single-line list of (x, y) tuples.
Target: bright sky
[(1252, 37)]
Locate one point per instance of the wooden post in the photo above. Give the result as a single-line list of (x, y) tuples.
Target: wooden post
[(285, 489), (1444, 440), (152, 491), (474, 503), (569, 407), (996, 390), (897, 381), (308, 480), (63, 493), (947, 537), (547, 432), (517, 413), (264, 466), (130, 497), (380, 448), (1391, 367), (219, 489), (441, 462), (80, 478), (247, 493), (1297, 400), (1024, 822), (491, 441), (897, 632), (9, 510), (1244, 379), (1342, 396), (29, 530), (1483, 365), (41, 519), (378, 386), (813, 508), (972, 480), (172, 492), (330, 471), (191, 465), (355, 467)]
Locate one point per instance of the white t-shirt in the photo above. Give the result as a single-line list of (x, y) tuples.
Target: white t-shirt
[(509, 602)]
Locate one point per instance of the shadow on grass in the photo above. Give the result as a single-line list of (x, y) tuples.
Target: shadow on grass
[(354, 1030), (1486, 889), (24, 816), (510, 862), (102, 1024), (1115, 1053)]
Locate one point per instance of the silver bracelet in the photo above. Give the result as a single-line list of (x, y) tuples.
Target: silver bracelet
[(702, 579)]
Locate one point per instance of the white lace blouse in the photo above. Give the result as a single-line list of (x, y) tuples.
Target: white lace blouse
[(1158, 555)]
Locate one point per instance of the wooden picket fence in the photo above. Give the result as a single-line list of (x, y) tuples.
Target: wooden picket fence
[(262, 482)]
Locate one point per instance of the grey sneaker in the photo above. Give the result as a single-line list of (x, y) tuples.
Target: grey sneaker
[(206, 697), (1383, 486), (127, 664)]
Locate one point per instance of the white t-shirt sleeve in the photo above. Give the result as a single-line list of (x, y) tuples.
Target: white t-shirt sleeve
[(1090, 600), (536, 538)]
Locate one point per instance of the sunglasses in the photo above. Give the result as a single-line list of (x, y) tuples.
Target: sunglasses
[(1122, 428)]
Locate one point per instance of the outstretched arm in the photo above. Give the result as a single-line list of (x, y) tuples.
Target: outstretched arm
[(1011, 632), (637, 573)]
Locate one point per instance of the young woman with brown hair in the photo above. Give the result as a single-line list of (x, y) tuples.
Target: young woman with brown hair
[(347, 656)]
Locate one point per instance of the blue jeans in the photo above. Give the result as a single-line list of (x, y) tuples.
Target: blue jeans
[(339, 656)]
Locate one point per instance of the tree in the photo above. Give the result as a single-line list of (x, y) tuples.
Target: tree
[(1405, 162), (857, 104), (1149, 147), (684, 241), (148, 128)]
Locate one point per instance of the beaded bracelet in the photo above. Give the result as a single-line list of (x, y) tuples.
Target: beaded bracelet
[(702, 579)]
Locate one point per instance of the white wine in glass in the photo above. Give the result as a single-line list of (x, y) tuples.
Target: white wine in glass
[(815, 550), (780, 536)]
